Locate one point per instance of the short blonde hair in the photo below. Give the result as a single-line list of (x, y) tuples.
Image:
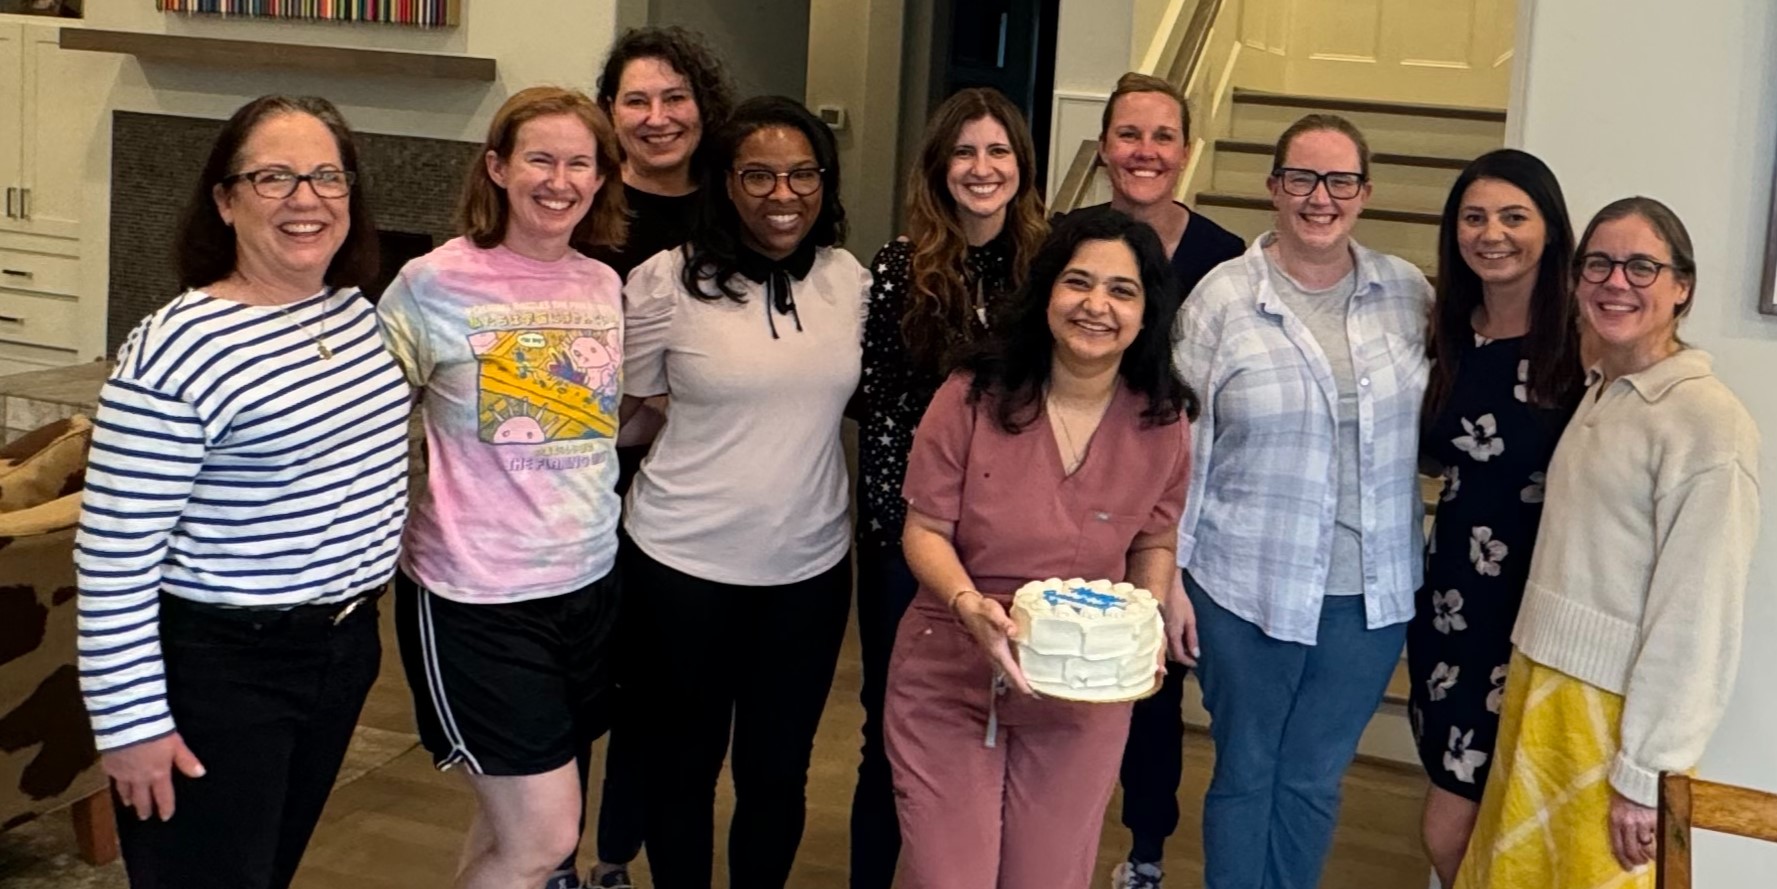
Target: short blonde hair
[(483, 213)]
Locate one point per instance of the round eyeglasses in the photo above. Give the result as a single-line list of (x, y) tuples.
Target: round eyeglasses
[(1302, 183), (1638, 271), (761, 183), (280, 184)]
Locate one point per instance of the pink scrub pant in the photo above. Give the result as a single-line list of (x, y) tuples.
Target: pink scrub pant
[(1023, 812)]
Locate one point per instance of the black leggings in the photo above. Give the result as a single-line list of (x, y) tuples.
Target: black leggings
[(719, 659)]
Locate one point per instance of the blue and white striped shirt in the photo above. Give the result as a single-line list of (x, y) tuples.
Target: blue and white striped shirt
[(1257, 532), (232, 465)]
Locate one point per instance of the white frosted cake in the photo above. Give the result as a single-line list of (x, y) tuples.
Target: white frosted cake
[(1088, 641)]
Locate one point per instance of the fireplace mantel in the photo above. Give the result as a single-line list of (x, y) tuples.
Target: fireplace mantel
[(216, 52)]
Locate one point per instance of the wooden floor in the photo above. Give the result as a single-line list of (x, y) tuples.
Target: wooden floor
[(399, 826)]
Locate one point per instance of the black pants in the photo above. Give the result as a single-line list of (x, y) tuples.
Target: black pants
[(885, 588), (267, 701), (620, 795), (1153, 763), (718, 659)]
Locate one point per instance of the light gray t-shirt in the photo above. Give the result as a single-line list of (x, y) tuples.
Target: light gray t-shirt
[(1324, 313), (746, 484)]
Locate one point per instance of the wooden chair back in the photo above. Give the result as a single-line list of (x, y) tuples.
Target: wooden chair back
[(1687, 803)]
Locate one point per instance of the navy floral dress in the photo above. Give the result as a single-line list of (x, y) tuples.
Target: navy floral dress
[(1495, 448)]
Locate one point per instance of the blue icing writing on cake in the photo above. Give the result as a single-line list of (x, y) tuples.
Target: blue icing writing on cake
[(1088, 641), (1082, 597)]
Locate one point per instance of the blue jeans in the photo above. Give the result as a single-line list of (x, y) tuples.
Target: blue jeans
[(1285, 719)]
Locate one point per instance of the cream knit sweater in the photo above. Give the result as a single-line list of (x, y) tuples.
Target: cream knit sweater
[(1638, 580)]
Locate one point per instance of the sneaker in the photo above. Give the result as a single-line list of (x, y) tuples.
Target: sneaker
[(563, 879), (615, 878), (1136, 875)]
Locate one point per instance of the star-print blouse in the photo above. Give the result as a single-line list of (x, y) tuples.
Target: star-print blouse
[(895, 392)]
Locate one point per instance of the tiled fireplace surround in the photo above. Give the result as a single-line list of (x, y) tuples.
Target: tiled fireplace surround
[(410, 183)]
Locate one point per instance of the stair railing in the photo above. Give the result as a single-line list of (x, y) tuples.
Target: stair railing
[(1076, 186)]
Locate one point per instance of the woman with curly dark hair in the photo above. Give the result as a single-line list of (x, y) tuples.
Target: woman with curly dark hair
[(740, 570), (1060, 448), (664, 88), (974, 221)]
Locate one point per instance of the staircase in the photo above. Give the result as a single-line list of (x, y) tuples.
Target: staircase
[(1416, 153)]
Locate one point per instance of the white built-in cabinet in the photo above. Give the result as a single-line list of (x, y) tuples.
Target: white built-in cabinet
[(51, 106)]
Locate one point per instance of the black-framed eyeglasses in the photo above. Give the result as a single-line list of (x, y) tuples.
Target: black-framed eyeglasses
[(1638, 271), (279, 184), (761, 183), (1302, 183)]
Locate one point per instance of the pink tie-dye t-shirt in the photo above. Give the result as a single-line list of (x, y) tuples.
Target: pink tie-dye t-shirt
[(518, 364)]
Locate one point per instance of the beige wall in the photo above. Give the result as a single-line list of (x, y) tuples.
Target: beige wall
[(1145, 26), (1620, 102), (854, 62)]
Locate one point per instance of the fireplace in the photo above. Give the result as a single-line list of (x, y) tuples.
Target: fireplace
[(411, 184)]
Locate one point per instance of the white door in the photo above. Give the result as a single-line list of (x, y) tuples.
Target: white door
[(1441, 52)]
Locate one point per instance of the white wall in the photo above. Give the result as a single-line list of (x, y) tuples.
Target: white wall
[(854, 62), (1620, 98), (1092, 49)]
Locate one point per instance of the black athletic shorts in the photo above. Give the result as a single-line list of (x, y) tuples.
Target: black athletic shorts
[(509, 689)]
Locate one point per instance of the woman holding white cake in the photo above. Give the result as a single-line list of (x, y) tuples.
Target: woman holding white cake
[(1037, 459), (1301, 543)]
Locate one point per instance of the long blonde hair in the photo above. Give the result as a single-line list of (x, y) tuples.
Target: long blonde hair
[(939, 305)]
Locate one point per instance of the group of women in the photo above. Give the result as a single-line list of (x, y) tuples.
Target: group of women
[(661, 272)]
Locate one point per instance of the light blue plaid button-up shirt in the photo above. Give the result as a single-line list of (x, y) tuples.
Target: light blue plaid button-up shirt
[(1257, 531)]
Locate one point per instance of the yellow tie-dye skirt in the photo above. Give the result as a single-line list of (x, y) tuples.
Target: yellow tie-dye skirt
[(1545, 817)]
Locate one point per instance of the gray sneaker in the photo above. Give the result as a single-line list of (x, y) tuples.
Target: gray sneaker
[(563, 879), (615, 878), (1136, 875)]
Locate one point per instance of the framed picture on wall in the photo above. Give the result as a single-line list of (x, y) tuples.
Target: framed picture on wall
[(421, 13), (1767, 297), (68, 9)]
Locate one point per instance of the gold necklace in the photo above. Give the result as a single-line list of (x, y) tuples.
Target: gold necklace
[(1075, 456), (320, 341)]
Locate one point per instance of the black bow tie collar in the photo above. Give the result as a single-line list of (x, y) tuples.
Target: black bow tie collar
[(776, 275)]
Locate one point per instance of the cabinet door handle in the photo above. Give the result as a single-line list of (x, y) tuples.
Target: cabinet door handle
[(9, 190), (16, 273), (8, 319), (24, 203)]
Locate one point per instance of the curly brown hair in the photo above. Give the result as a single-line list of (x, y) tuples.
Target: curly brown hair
[(483, 212), (939, 304), (687, 53)]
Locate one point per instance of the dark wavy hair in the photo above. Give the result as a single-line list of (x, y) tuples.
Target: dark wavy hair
[(1553, 344), (713, 252), (936, 318), (685, 52), (1012, 365), (204, 249)]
